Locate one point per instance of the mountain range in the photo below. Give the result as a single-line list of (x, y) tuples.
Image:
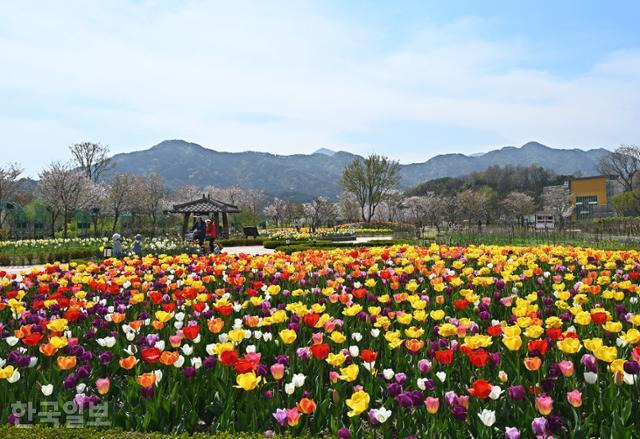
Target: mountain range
[(300, 177)]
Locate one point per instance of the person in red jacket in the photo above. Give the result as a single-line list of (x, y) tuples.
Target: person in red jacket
[(211, 233)]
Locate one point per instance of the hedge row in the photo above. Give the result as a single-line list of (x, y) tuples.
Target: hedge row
[(237, 242), (40, 432), (288, 249)]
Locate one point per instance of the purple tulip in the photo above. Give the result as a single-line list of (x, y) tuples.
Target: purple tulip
[(511, 433), (516, 392), (540, 426), (281, 416)]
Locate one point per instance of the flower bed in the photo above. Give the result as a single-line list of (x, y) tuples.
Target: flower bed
[(39, 251), (387, 341)]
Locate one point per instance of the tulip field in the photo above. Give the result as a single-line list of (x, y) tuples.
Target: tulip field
[(400, 341)]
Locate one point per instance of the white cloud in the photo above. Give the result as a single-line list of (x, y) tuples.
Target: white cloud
[(133, 73)]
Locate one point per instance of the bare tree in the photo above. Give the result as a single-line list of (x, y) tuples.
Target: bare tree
[(370, 180), (64, 189), (624, 163), (9, 185), (119, 195), (92, 158), (557, 200), (517, 205), (187, 193), (390, 207), (277, 211), (472, 205), (318, 212), (153, 193), (348, 207)]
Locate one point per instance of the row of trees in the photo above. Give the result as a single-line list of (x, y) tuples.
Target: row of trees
[(508, 194)]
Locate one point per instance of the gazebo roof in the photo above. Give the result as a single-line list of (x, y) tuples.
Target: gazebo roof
[(204, 205)]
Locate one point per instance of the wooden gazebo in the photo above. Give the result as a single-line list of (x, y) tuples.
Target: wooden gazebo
[(206, 206)]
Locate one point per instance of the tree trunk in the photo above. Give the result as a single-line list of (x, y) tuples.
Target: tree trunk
[(66, 220), (116, 216)]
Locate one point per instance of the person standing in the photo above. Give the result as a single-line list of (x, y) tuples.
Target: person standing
[(199, 230), (211, 232)]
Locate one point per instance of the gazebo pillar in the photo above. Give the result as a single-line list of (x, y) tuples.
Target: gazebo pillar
[(216, 220), (185, 223), (225, 225)]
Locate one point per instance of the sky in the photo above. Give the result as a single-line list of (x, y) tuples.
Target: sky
[(407, 79)]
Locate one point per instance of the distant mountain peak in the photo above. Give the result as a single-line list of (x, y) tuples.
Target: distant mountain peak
[(324, 151), (535, 145), (176, 143)]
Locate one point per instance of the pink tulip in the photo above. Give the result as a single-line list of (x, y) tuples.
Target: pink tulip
[(544, 404), (175, 341), (103, 384), (575, 398), (432, 404), (317, 337), (277, 371), (566, 367), (293, 416)]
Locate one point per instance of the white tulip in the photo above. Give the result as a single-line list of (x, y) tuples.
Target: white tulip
[(15, 377), (46, 389), (298, 379), (488, 417), (388, 374), (187, 350), (289, 388), (179, 362), (442, 376), (590, 377), (382, 414), (495, 393), (11, 340)]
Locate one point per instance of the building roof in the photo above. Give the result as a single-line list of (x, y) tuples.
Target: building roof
[(204, 205), (593, 177)]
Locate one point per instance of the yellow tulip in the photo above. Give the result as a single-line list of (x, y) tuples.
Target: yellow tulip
[(288, 336), (349, 373), (358, 403), (247, 381)]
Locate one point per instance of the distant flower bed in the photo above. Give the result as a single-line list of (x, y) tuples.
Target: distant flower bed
[(385, 227), (307, 235), (36, 251)]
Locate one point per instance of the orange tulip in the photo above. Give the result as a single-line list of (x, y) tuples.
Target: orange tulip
[(532, 363), (66, 363), (307, 406), (129, 362), (414, 345), (117, 317), (169, 357), (216, 325), (146, 379), (157, 325), (47, 349)]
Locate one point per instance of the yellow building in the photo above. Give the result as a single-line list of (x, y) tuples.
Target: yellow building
[(590, 196)]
